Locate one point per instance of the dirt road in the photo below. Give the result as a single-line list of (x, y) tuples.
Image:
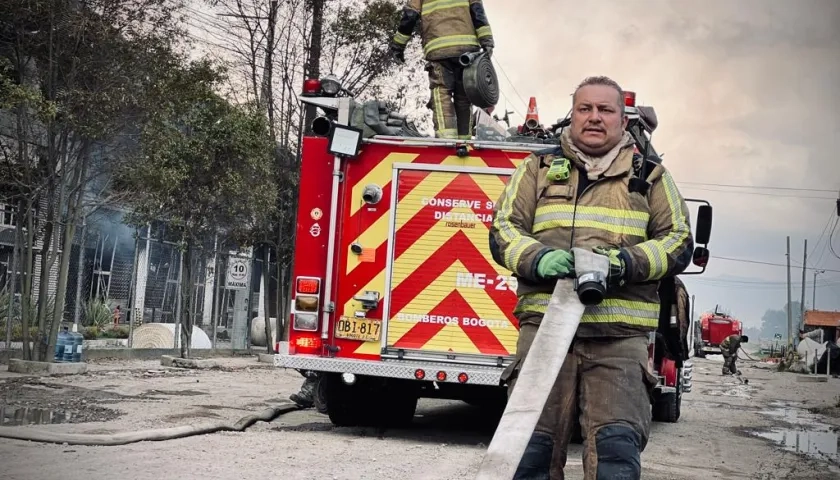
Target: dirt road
[(727, 430)]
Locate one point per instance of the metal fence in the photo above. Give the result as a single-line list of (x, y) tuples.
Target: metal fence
[(113, 267)]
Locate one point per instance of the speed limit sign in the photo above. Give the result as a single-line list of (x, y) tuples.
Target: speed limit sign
[(238, 270)]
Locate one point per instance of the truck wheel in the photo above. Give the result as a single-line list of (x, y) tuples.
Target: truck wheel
[(341, 402), (399, 410), (366, 403), (667, 408), (679, 408), (320, 397)]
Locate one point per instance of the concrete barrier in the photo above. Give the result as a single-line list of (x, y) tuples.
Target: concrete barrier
[(46, 368)]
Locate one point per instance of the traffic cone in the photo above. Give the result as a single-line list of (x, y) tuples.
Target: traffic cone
[(532, 118)]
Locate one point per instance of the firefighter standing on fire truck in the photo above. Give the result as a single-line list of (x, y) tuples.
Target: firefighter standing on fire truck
[(449, 29), (579, 194)]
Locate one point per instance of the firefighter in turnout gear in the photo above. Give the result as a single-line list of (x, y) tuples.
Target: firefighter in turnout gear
[(449, 29), (580, 195), (729, 349)]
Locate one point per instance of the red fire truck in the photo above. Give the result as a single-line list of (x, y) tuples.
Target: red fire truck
[(395, 293), (714, 327)]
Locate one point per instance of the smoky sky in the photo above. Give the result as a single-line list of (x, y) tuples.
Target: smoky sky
[(746, 93)]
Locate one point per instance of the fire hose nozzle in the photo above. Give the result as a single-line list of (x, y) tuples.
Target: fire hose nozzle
[(592, 271), (466, 59)]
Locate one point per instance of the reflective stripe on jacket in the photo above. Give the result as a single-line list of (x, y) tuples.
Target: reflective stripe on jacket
[(449, 28), (534, 216)]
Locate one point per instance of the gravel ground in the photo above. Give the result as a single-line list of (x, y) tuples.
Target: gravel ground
[(728, 430)]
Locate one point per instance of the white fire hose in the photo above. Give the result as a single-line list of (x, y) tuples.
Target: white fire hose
[(538, 372)]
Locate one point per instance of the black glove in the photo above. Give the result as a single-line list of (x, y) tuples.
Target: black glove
[(488, 51), (618, 269), (397, 53)]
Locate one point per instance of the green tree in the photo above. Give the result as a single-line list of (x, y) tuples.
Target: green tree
[(79, 74), (775, 321), (205, 167)]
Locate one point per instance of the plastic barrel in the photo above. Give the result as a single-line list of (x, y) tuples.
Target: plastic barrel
[(78, 342), (61, 344), (68, 348)]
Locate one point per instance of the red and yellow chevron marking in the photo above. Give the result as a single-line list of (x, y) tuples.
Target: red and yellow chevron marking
[(429, 255), (429, 309)]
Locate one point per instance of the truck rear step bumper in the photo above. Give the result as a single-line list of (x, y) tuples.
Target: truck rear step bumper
[(475, 375)]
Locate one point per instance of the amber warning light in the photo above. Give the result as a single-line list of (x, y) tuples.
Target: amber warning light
[(310, 286)]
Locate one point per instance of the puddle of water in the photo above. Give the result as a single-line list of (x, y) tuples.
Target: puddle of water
[(822, 445), (32, 416), (812, 438)]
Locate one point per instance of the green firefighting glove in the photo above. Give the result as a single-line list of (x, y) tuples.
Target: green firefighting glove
[(556, 264), (617, 266)]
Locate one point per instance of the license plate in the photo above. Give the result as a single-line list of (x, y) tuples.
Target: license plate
[(364, 329)]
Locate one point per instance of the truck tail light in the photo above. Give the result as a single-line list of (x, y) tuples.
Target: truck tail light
[(305, 344), (307, 304), (311, 87), (308, 285), (305, 322)]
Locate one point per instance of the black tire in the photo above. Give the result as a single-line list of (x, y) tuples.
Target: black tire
[(399, 413), (339, 401), (320, 397), (679, 408), (368, 402), (667, 408)]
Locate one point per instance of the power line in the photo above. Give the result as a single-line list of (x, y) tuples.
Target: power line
[(756, 193), (831, 239), (496, 59), (822, 235), (760, 282), (758, 286), (759, 187), (741, 260)]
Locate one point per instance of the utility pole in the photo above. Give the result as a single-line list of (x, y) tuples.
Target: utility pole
[(789, 312), (802, 300), (814, 300)]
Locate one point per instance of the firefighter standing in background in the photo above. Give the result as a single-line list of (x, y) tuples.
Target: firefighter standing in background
[(729, 348), (449, 29), (646, 235)]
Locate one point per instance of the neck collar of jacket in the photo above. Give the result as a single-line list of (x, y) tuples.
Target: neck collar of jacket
[(614, 163)]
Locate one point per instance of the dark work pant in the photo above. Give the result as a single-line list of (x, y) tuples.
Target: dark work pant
[(451, 109), (605, 383)]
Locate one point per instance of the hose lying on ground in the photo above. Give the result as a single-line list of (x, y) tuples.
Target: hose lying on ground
[(748, 355), (125, 438)]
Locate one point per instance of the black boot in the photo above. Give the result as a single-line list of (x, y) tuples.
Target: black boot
[(305, 397)]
